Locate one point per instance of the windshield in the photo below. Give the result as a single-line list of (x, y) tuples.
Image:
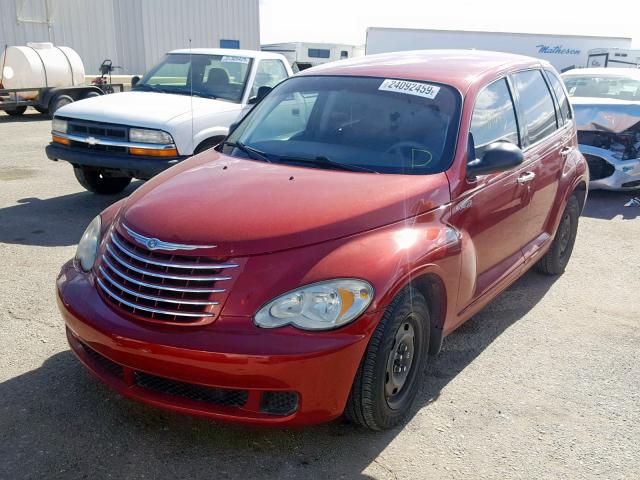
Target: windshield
[(605, 86), (211, 76), (357, 123)]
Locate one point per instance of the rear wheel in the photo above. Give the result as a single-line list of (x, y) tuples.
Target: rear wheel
[(91, 95), (16, 112), (556, 259), (97, 181), (389, 375), (57, 102)]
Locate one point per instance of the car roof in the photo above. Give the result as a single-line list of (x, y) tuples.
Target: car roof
[(229, 51), (599, 72), (459, 68)]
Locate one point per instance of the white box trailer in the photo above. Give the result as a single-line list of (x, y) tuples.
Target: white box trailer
[(303, 55), (562, 51)]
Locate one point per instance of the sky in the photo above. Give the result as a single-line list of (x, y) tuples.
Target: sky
[(346, 21)]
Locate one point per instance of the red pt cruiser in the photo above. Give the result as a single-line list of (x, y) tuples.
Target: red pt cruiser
[(311, 264)]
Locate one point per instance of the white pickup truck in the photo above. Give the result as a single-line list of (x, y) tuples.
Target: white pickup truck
[(181, 107)]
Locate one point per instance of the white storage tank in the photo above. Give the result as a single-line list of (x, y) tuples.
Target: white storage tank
[(40, 65)]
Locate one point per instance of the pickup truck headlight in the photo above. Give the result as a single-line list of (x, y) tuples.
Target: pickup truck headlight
[(319, 306), (59, 125), (88, 245), (144, 135)]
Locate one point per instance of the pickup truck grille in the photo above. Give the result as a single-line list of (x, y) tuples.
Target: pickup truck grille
[(106, 131), (162, 287)]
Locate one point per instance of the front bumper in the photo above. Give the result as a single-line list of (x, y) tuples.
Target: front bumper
[(231, 356), (625, 174), (138, 166)]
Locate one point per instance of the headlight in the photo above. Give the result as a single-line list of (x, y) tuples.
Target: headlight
[(143, 135), (319, 306), (88, 245), (59, 125)]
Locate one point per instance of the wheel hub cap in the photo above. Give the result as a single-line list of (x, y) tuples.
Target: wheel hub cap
[(399, 361)]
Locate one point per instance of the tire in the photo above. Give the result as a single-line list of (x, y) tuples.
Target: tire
[(16, 112), (91, 95), (556, 259), (57, 102), (207, 144), (42, 110), (95, 181), (372, 402)]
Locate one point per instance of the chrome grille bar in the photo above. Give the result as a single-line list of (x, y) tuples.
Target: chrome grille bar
[(157, 286), (171, 276), (198, 266), (152, 297), (135, 306)]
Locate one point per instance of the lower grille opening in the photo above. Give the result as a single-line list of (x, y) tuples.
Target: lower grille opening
[(103, 363), (190, 391), (279, 403), (598, 167)]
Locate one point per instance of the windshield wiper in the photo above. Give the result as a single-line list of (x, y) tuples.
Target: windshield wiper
[(327, 162), (252, 152), (149, 86)]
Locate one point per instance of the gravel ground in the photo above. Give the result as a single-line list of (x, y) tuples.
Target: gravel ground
[(545, 382)]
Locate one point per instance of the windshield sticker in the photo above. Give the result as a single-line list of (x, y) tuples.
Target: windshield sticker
[(230, 59), (410, 88)]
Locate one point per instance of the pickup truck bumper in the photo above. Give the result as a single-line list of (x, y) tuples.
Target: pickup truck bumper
[(138, 166)]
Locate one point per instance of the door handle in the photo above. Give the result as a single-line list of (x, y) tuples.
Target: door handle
[(526, 178), (564, 151)]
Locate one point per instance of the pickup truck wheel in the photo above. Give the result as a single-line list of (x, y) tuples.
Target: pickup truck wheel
[(16, 112), (97, 182), (556, 259), (57, 102), (389, 375)]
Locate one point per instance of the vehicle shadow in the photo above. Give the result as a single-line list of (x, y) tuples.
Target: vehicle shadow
[(607, 205), (57, 221), (57, 422), (28, 116)]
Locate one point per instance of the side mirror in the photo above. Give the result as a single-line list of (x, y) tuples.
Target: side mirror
[(262, 92), (134, 80), (497, 157)]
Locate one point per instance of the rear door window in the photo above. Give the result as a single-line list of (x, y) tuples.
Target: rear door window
[(556, 85), (536, 104), (494, 118)]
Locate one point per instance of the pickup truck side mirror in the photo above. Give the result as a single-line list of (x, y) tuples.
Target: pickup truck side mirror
[(134, 80), (262, 92), (497, 157)]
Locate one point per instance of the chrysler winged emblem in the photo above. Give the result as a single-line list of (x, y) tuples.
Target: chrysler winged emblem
[(157, 244)]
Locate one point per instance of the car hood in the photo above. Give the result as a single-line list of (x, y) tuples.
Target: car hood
[(143, 109), (605, 114), (248, 207)]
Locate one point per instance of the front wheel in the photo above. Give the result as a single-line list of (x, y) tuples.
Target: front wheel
[(97, 181), (556, 259), (388, 378), (16, 112)]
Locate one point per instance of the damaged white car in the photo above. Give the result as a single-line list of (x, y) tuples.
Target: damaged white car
[(606, 102)]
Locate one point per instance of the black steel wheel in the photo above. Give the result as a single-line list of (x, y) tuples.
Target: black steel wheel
[(388, 378)]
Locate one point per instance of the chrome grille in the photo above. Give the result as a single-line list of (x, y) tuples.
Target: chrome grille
[(162, 287)]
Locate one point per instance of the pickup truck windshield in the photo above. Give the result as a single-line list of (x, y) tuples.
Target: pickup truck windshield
[(365, 124), (605, 86), (212, 76)]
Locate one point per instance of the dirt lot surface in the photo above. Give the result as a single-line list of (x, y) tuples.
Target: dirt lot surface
[(544, 383)]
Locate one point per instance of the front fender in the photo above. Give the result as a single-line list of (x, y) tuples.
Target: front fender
[(389, 258)]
